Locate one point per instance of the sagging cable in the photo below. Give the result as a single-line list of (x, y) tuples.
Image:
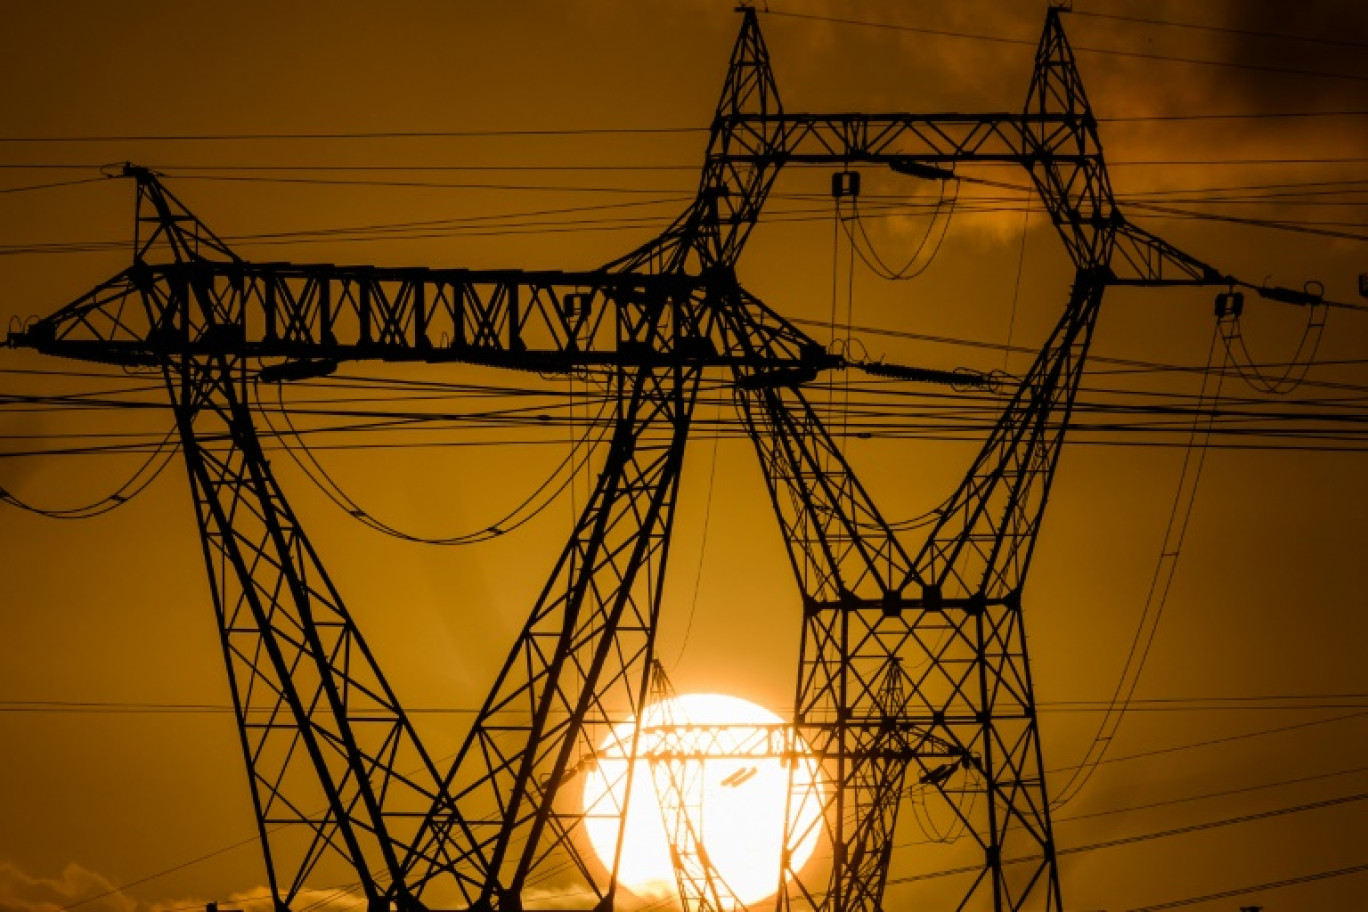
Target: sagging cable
[(138, 482), (1230, 309), (960, 379), (1161, 582), (845, 185), (530, 507)]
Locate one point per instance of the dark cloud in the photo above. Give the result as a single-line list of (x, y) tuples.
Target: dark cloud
[(1331, 21)]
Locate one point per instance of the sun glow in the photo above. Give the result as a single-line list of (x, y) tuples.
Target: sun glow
[(740, 812)]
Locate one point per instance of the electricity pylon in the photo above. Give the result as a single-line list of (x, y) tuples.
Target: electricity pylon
[(678, 774), (913, 666)]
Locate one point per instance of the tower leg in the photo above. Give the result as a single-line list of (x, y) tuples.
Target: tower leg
[(952, 619), (580, 664), (339, 778)]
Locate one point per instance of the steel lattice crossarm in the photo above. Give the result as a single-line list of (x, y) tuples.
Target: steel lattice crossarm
[(777, 741), (903, 141), (1056, 146), (315, 316), (548, 321)]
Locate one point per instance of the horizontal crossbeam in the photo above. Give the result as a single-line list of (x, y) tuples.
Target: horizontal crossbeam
[(840, 138), (772, 741), (545, 321)]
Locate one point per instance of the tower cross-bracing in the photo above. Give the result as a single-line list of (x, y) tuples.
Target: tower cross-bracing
[(913, 673)]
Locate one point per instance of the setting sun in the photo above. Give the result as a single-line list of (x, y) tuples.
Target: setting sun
[(744, 791)]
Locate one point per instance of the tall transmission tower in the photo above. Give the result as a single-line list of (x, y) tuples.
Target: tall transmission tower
[(913, 671)]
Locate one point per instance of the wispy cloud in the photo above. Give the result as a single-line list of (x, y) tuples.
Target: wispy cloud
[(22, 892)]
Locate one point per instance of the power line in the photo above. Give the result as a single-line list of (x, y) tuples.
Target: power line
[(1081, 49), (427, 185), (1209, 795), (363, 135), (1232, 115), (500, 224), (372, 134), (1242, 891), (52, 185), (114, 891), (1211, 742), (119, 707), (173, 169), (1227, 30), (1157, 834), (1156, 599), (878, 411)]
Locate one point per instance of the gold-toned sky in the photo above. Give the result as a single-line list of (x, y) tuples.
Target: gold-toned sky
[(1268, 597)]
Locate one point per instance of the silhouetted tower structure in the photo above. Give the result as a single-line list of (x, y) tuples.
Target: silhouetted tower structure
[(678, 775), (913, 668)]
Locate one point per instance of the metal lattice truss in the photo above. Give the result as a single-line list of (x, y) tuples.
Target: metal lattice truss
[(676, 752), (913, 674)]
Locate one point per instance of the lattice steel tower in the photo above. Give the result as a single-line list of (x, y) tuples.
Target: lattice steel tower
[(913, 670)]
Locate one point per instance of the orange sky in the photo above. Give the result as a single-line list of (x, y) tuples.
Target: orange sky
[(1267, 600)]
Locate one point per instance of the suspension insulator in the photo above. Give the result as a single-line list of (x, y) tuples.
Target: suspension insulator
[(576, 304), (961, 378), (300, 369), (845, 183), (1229, 303), (914, 168), (1292, 296)]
